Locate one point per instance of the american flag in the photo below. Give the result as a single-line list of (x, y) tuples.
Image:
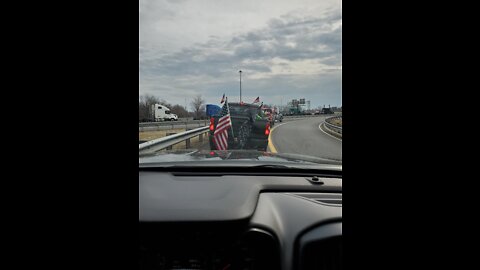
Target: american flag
[(220, 136), (256, 100)]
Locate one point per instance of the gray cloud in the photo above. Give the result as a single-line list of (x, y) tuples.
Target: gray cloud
[(308, 36), (284, 43), (264, 44)]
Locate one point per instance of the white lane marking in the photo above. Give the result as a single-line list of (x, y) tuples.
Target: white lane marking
[(327, 133)]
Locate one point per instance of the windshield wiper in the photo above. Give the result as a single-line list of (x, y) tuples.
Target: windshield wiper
[(272, 166), (263, 169)]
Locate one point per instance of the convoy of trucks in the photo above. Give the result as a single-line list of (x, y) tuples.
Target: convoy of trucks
[(251, 123)]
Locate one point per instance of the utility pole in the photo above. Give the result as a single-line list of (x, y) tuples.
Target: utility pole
[(240, 86)]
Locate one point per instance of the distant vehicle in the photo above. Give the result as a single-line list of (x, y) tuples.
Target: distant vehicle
[(327, 111), (172, 117), (269, 114), (162, 113), (279, 117), (251, 127)]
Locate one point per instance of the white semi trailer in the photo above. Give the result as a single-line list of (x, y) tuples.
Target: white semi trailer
[(162, 113)]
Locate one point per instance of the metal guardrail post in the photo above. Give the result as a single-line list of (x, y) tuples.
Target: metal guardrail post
[(168, 134)]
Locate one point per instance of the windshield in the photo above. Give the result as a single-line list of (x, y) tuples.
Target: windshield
[(258, 77)]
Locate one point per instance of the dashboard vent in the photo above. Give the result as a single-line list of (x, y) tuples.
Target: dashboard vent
[(324, 198)]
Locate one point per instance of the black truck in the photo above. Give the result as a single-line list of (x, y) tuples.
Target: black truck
[(251, 127), (327, 111)]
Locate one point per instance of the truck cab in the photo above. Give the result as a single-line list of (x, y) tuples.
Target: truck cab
[(162, 113), (172, 117)]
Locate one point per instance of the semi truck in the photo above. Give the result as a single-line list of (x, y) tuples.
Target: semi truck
[(162, 113)]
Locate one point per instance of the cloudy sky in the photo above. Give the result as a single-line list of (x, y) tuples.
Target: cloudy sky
[(285, 49)]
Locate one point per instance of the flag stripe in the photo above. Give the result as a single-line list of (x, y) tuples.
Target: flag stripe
[(219, 146), (222, 125), (220, 136), (221, 130), (216, 143), (220, 140), (223, 122), (223, 141)]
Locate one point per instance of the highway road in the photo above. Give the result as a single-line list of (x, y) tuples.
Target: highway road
[(297, 136), (305, 137)]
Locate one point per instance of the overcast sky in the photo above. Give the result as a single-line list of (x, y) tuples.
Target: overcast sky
[(285, 49)]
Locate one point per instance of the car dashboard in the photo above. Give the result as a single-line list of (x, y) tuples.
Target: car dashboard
[(227, 222)]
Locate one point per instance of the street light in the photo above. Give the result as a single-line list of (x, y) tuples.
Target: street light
[(240, 86)]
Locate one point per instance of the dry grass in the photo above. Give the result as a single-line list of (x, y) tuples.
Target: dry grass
[(337, 121), (155, 134), (151, 135)]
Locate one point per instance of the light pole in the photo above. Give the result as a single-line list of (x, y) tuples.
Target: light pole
[(240, 86)]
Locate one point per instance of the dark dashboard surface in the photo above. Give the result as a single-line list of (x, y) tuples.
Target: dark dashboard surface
[(165, 197), (231, 222)]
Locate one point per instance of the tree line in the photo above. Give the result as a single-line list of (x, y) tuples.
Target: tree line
[(146, 101)]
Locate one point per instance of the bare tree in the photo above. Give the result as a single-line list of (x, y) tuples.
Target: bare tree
[(198, 106), (144, 104), (179, 110)]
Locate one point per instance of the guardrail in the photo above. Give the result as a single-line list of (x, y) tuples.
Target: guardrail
[(168, 141), (168, 123), (332, 128), (173, 125)]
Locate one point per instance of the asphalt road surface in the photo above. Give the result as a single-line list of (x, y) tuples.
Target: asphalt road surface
[(297, 136), (305, 137)]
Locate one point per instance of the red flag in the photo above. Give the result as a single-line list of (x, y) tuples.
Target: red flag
[(223, 99), (256, 100)]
